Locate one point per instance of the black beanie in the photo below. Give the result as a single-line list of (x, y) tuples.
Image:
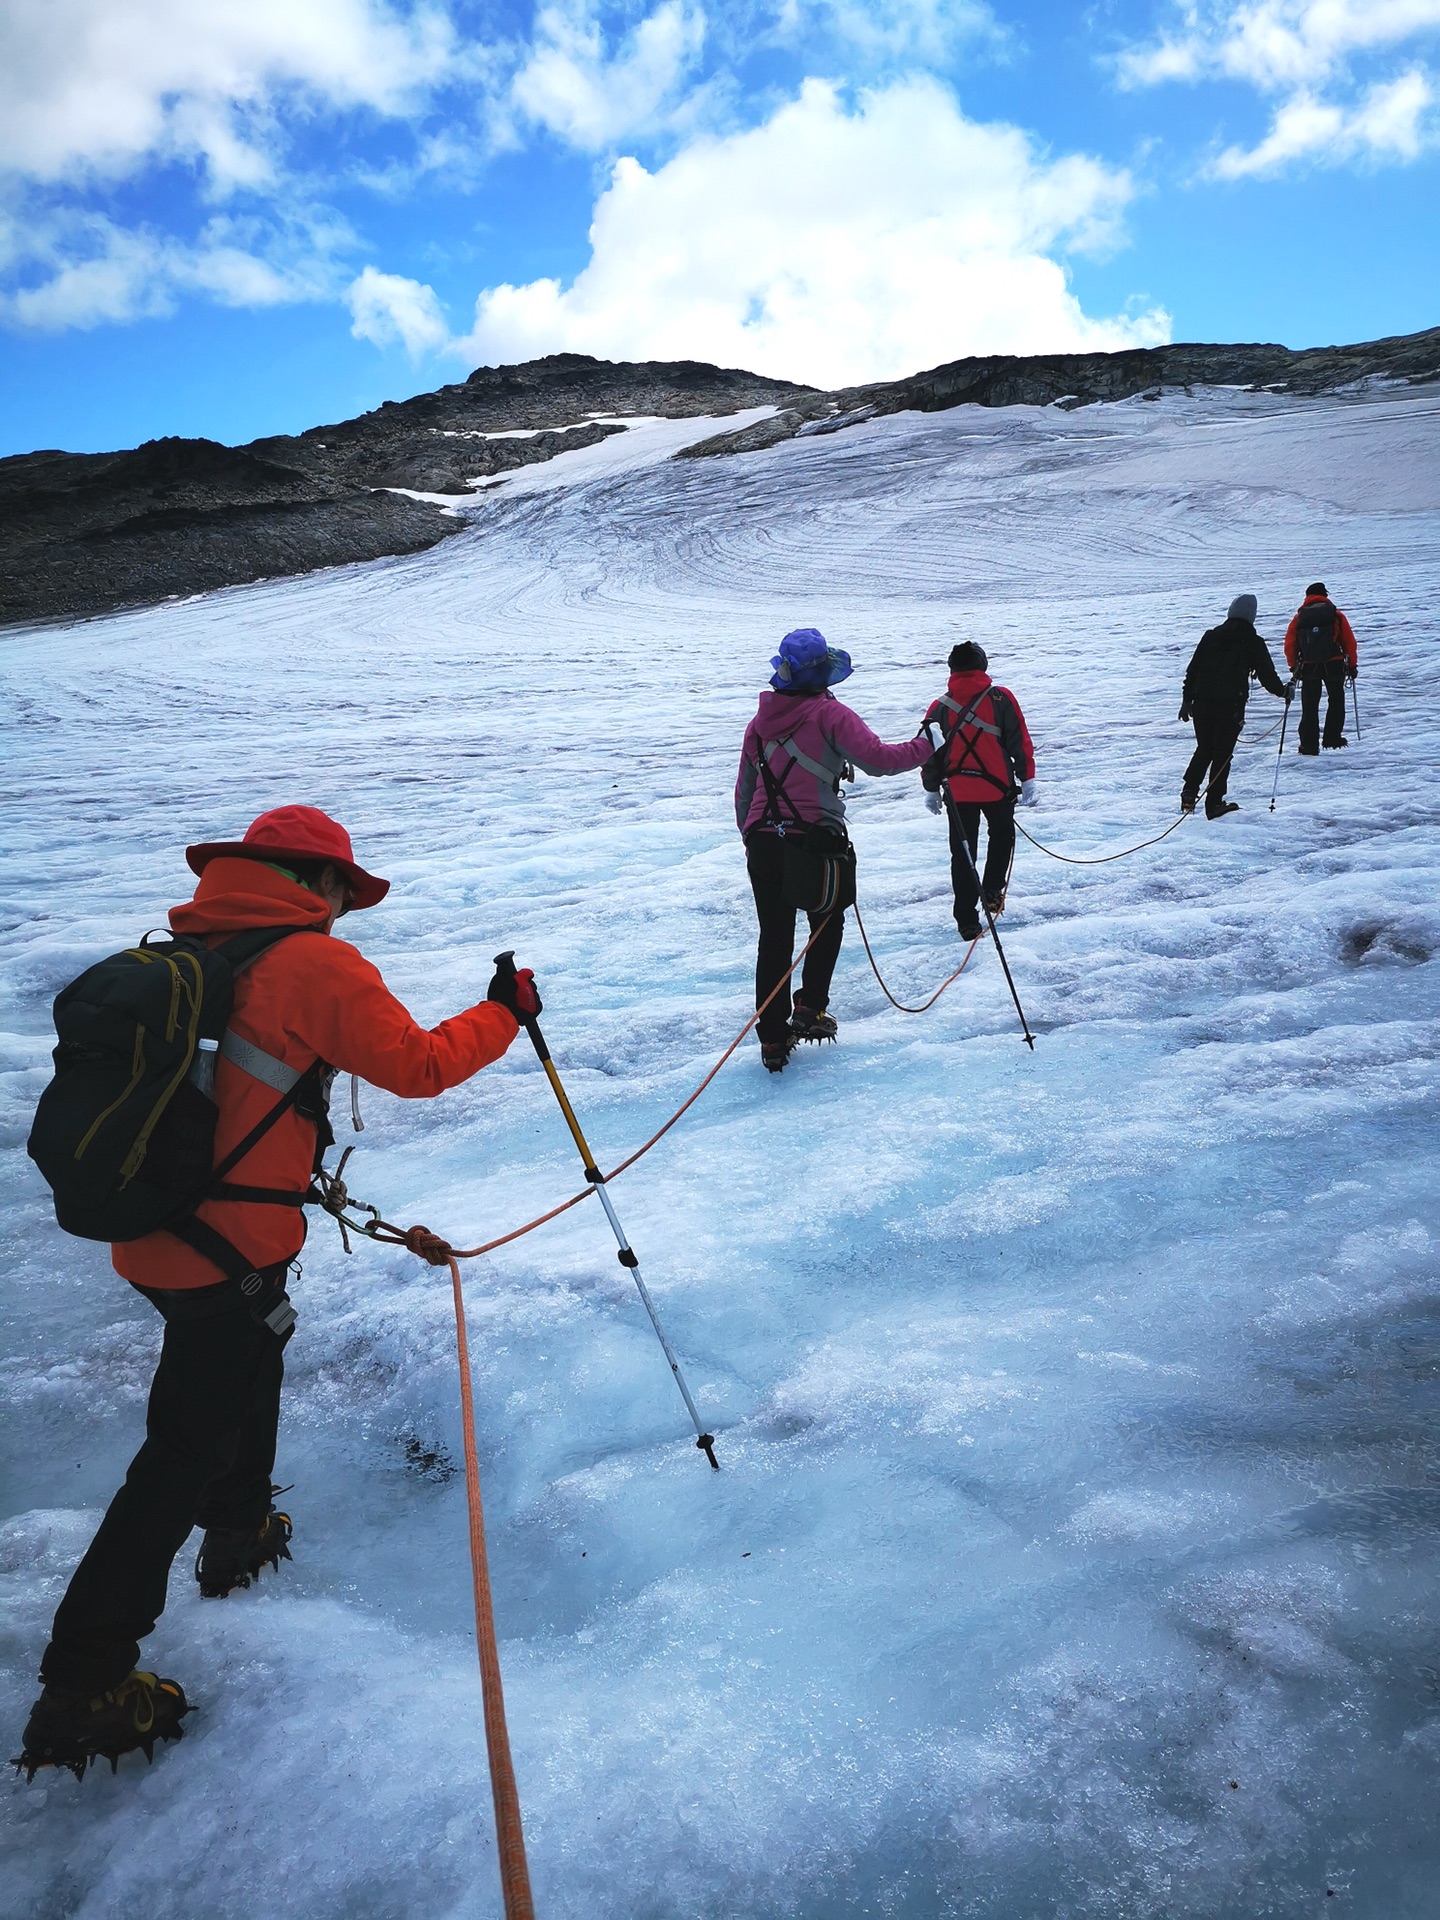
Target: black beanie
[(1316, 587), (968, 658)]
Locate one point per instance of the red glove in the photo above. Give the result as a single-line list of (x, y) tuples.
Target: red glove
[(517, 991)]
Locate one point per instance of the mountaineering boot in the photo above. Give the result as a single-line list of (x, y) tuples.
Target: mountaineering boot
[(69, 1729), (1188, 800), (1332, 744), (1218, 813), (1311, 750), (807, 1023), (995, 904), (231, 1557), (969, 929), (774, 1053)]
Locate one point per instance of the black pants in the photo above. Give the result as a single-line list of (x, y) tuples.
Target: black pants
[(1217, 728), (764, 856), (964, 816), (1330, 676), (207, 1461)]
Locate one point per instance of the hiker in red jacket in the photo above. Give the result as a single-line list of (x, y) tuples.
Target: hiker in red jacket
[(1320, 647), (796, 751), (983, 763), (307, 1006)]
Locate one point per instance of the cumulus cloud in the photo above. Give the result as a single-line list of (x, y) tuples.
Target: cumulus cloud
[(572, 85), (89, 87), (1312, 53), (833, 245), (389, 310)]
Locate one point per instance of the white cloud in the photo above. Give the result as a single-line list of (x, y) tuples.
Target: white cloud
[(93, 271), (1312, 52), (93, 87), (389, 310), (833, 246), (1277, 44), (571, 86), (1387, 123)]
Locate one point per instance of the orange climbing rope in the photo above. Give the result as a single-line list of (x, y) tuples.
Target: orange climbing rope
[(925, 1005)]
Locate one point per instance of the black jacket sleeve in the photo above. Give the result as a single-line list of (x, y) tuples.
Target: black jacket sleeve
[(1011, 738), (1263, 668), (1193, 671)]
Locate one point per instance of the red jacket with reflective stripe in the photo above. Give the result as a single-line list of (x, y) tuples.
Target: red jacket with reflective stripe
[(990, 763), (310, 997)]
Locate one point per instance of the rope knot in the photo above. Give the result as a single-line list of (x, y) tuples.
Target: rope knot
[(427, 1245)]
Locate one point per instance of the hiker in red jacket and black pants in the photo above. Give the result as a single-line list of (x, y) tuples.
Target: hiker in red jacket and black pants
[(983, 763), (1320, 648)]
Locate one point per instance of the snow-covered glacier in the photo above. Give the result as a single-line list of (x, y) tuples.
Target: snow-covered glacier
[(1075, 1549)]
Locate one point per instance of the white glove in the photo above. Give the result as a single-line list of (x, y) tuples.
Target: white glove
[(935, 802), (1028, 796)]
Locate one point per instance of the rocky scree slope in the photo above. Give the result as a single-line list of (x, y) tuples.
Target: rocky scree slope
[(1084, 379), (87, 533)]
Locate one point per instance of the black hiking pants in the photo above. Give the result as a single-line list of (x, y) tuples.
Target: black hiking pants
[(207, 1461), (1330, 677), (964, 818), (1217, 728), (765, 859)]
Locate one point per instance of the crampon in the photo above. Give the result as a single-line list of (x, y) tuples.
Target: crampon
[(808, 1023), (74, 1730), (231, 1557)]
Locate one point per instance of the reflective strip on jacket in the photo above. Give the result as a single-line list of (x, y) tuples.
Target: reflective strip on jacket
[(311, 997), (826, 731)]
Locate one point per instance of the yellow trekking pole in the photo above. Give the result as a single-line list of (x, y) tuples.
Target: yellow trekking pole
[(505, 962)]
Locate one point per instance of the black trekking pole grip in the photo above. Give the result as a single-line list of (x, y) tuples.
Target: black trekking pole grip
[(505, 966)]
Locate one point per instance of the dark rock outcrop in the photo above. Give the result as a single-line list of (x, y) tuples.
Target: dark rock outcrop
[(86, 533), (1083, 379)]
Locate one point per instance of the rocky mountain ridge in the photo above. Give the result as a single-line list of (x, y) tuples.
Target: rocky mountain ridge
[(83, 534), (1088, 379), (87, 533)]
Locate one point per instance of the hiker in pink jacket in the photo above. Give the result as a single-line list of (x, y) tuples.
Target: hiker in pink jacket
[(797, 749)]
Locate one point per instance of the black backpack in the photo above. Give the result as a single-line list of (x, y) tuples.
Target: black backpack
[(123, 1135), (1315, 642)]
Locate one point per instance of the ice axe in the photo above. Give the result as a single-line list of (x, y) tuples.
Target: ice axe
[(505, 964)]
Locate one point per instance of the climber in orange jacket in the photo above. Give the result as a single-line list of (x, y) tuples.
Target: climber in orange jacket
[(1320, 648), (308, 1006)]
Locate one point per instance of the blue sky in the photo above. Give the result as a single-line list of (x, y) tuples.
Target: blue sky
[(235, 217)]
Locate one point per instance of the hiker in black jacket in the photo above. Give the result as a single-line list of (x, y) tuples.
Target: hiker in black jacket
[(1217, 685)]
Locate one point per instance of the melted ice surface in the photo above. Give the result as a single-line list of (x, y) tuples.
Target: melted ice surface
[(1076, 1546)]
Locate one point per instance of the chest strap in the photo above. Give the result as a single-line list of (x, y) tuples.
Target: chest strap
[(830, 774), (257, 1063)]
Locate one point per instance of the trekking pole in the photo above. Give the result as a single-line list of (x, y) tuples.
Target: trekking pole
[(995, 936), (1275, 783), (704, 1441), (1355, 705)]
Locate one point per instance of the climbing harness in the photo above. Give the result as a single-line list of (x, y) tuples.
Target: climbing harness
[(505, 964), (970, 764)]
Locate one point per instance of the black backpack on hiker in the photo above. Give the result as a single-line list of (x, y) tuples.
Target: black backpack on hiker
[(123, 1134), (1316, 642)]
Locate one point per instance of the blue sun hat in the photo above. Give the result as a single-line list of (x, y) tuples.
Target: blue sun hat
[(806, 663)]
